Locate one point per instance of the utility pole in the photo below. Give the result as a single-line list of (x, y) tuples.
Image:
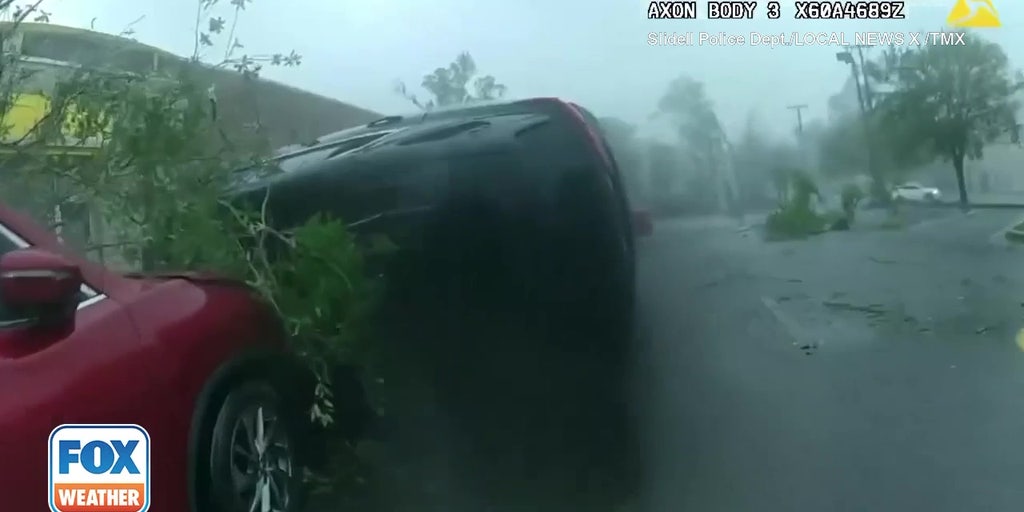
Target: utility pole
[(800, 132), (865, 101), (799, 118), (869, 100)]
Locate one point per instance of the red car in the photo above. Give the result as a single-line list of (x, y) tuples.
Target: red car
[(196, 361)]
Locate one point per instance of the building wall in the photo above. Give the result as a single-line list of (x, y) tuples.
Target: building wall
[(286, 115), (1001, 170)]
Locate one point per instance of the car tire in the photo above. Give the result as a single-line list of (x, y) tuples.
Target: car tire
[(248, 465)]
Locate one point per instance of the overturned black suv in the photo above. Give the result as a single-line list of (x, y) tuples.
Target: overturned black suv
[(512, 286)]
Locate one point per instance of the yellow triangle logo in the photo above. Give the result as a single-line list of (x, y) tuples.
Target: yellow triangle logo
[(973, 14)]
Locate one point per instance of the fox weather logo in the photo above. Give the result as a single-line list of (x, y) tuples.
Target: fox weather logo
[(99, 468)]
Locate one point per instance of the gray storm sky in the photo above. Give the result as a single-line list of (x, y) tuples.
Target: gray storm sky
[(591, 51)]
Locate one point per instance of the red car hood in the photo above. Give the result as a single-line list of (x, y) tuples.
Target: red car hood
[(196, 277)]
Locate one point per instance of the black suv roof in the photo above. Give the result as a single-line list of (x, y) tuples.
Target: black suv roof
[(454, 131), (488, 108), (401, 130)]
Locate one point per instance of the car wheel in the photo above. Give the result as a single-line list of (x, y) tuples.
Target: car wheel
[(252, 463)]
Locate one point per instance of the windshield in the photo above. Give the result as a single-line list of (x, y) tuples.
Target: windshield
[(796, 285)]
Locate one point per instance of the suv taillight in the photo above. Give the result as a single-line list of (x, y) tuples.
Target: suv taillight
[(642, 223), (581, 122), (592, 136)]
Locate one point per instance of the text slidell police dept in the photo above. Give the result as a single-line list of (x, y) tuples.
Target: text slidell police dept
[(872, 38)]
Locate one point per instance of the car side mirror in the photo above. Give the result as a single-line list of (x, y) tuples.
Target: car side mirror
[(41, 284), (642, 223)]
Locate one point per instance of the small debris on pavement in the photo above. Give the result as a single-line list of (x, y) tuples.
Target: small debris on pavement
[(872, 310), (809, 348), (882, 261)]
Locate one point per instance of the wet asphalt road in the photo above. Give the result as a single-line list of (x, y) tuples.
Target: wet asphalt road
[(875, 369), (867, 370)]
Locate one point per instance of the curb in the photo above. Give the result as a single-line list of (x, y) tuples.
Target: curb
[(1014, 235), (956, 204), (1009, 234)]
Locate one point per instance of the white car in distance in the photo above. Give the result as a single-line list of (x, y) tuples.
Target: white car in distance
[(915, 192)]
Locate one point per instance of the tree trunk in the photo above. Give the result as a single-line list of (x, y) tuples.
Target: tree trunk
[(148, 254), (879, 190), (958, 166)]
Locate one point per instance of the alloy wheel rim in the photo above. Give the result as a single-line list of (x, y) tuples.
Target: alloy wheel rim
[(261, 461)]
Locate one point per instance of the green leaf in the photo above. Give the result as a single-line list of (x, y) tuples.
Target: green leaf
[(216, 25)]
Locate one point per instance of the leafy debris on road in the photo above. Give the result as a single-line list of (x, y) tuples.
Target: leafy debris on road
[(809, 348), (726, 278), (872, 310), (882, 261), (711, 284)]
